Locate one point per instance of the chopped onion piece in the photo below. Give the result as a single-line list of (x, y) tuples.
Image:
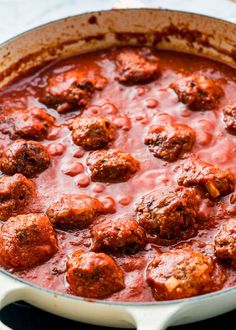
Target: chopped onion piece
[(172, 283), (211, 188), (201, 269)]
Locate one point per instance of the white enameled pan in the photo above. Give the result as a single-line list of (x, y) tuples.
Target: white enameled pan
[(162, 29)]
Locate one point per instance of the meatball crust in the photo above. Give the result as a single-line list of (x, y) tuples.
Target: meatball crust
[(214, 180), (230, 118), (136, 66), (122, 235), (26, 157), (225, 242), (92, 133), (94, 275), (30, 123), (183, 273), (27, 240), (15, 192), (198, 92), (169, 142), (112, 165), (169, 212), (74, 211), (71, 90)]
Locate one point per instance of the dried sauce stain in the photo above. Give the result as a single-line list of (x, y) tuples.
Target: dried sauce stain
[(184, 33), (99, 36), (141, 38), (92, 20)]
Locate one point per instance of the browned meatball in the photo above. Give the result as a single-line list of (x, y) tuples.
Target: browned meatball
[(183, 273), (94, 275), (169, 212), (31, 123), (198, 92), (92, 133), (214, 180), (15, 192), (71, 90), (230, 118), (123, 234), (225, 241), (169, 142), (136, 66), (111, 165), (26, 157), (27, 240), (74, 211)]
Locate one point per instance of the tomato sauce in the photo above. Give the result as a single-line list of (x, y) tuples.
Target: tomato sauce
[(133, 109)]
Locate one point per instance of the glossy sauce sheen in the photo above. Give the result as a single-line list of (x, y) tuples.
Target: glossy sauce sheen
[(133, 108)]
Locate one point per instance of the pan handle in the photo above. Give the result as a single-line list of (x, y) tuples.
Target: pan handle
[(155, 317), (10, 290), (149, 317)]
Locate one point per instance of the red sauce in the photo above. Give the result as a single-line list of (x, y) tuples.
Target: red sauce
[(133, 109)]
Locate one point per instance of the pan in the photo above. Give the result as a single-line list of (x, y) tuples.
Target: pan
[(163, 29)]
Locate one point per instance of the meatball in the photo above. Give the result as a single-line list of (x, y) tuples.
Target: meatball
[(230, 118), (136, 66), (124, 235), (183, 273), (27, 240), (94, 275), (111, 165), (71, 90), (26, 157), (198, 92), (225, 241), (214, 180), (169, 212), (15, 192), (74, 211), (31, 123), (169, 142), (92, 133)]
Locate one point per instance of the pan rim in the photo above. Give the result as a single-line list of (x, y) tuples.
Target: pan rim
[(38, 27)]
